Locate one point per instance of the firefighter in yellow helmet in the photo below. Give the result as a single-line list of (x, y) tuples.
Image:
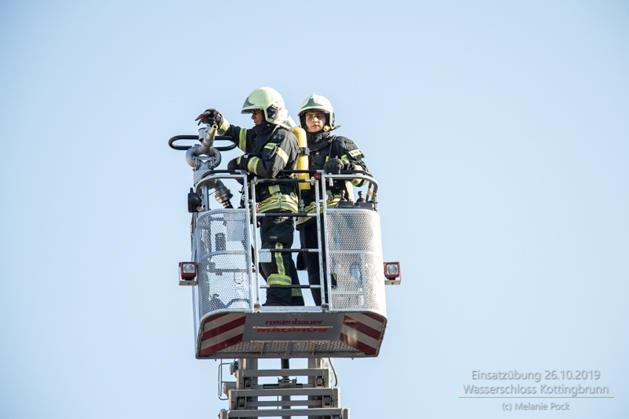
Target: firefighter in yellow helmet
[(331, 153), (269, 148)]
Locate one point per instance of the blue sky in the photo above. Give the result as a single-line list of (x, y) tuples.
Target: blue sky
[(498, 132)]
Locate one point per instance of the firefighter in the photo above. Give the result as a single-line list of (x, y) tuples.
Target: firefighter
[(269, 148), (330, 153)]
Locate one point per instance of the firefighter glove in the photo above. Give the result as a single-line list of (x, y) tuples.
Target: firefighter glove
[(333, 166), (233, 164), (210, 116), (243, 161)]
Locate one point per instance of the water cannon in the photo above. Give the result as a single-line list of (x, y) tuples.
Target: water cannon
[(204, 158)]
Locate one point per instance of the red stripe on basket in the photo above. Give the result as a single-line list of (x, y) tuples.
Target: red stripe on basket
[(221, 346), (355, 343), (223, 328), (363, 328)]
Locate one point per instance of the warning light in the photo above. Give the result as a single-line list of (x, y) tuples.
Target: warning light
[(392, 273), (188, 273)]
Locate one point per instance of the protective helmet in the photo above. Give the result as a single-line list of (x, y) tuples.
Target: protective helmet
[(317, 103), (269, 101)]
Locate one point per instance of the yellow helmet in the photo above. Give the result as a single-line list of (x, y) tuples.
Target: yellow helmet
[(267, 100), (317, 103)]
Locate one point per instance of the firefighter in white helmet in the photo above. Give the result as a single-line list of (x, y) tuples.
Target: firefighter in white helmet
[(269, 148), (331, 153)]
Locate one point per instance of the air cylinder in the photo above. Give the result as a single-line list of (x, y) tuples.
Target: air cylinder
[(302, 161)]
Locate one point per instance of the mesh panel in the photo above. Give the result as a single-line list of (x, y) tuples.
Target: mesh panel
[(355, 254), (354, 248), (295, 349), (223, 255)]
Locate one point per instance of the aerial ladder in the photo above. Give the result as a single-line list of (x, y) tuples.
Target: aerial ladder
[(230, 321)]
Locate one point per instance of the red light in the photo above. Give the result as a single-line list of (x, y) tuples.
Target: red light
[(392, 270), (188, 270), (317, 176)]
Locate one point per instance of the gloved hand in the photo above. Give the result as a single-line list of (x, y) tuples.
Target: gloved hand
[(233, 164), (238, 163), (333, 166), (210, 116)]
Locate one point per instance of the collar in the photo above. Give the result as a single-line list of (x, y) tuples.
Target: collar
[(318, 140), (264, 128)]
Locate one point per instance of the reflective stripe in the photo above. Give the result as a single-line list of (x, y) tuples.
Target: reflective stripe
[(253, 164), (282, 154), (278, 201), (275, 279), (223, 128), (332, 202), (270, 146), (242, 142), (296, 292), (274, 189), (279, 261), (354, 152), (358, 182)]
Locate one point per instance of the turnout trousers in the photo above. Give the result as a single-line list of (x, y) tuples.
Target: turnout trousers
[(277, 233)]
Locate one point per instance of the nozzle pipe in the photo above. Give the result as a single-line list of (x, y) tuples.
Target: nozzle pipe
[(208, 140)]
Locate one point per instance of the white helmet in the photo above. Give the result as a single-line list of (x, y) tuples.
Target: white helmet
[(270, 102), (317, 103)]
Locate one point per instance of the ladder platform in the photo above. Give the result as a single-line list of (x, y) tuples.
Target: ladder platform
[(290, 332), (272, 392), (280, 403), (340, 412), (314, 372)]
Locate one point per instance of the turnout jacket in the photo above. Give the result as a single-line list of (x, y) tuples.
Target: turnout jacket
[(324, 146), (269, 149)]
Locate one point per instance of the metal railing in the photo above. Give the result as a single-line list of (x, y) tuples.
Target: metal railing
[(226, 246)]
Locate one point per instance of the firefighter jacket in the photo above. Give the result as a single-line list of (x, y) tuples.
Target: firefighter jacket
[(269, 149), (324, 146)]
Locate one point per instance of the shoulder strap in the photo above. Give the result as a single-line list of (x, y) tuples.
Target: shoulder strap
[(334, 147)]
